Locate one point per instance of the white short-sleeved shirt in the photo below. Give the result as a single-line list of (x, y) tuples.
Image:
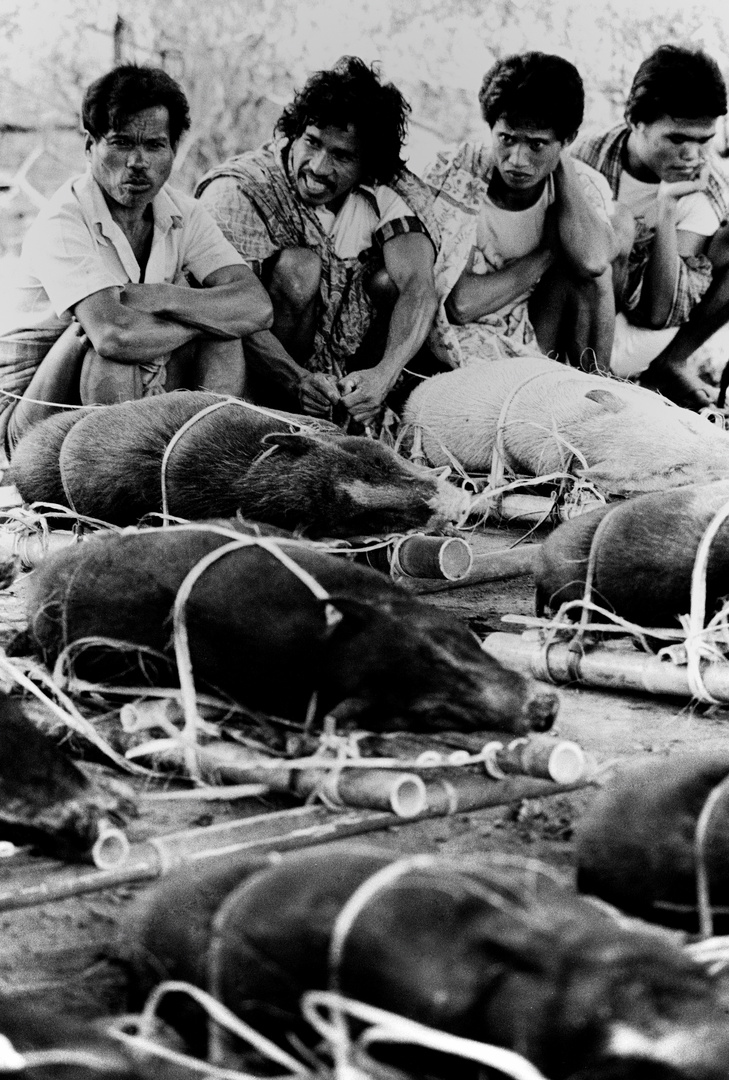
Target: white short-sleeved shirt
[(74, 249), (364, 211), (694, 212)]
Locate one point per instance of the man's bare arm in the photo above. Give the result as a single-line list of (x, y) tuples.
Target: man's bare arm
[(669, 246), (231, 304), (587, 242), (409, 261), (475, 295)]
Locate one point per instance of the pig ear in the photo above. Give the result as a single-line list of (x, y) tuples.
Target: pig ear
[(350, 709), (609, 401), (296, 442), (355, 613)]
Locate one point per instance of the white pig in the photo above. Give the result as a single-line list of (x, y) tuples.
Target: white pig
[(624, 439)]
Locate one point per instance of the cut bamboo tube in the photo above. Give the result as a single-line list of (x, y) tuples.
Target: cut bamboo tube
[(32, 547), (284, 830), (493, 566), (605, 668)]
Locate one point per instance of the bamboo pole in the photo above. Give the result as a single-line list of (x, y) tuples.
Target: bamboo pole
[(604, 668), (491, 566), (285, 830)]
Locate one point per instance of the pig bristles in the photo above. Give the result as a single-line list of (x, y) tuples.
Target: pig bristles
[(69, 715)]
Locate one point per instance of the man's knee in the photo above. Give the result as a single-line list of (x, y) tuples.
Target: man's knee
[(382, 290), (295, 277)]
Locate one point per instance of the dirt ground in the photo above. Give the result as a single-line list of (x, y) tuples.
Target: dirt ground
[(56, 952)]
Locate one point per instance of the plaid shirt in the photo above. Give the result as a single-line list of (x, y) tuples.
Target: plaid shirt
[(606, 153)]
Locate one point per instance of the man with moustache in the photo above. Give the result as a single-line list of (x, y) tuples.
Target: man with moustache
[(662, 170), (102, 309), (333, 223)]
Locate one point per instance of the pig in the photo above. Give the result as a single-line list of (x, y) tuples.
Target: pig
[(167, 931), (45, 798), (292, 472), (635, 846), (645, 555), (53, 1045), (34, 468), (622, 438), (484, 947), (261, 635)]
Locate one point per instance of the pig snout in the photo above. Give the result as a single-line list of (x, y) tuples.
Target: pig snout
[(540, 708), (450, 505)]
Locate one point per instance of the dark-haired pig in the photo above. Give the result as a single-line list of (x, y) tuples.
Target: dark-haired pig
[(34, 469), (167, 931), (293, 472), (645, 554), (45, 799), (56, 1046), (636, 844), (483, 947), (260, 634), (624, 439)]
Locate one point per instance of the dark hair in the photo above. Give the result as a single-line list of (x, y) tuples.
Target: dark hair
[(352, 93), (676, 81), (534, 90), (111, 100)]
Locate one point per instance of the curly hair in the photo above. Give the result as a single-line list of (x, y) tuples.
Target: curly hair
[(534, 90), (352, 93), (676, 81), (128, 89)]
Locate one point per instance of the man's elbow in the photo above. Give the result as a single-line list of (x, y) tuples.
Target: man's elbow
[(112, 342), (455, 311)]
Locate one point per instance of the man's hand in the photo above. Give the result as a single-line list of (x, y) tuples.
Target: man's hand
[(679, 188), (363, 393), (318, 394)]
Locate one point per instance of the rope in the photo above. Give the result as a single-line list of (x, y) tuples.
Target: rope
[(181, 642), (389, 1027), (199, 416)]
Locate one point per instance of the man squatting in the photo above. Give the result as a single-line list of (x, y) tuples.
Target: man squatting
[(673, 292), (331, 243), (335, 226), (102, 309)]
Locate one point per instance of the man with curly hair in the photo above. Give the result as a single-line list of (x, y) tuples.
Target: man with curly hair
[(333, 223), (526, 235)]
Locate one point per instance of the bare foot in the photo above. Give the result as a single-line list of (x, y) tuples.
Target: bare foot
[(679, 386)]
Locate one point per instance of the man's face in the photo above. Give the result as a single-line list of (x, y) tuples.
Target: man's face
[(672, 149), (325, 164), (525, 156), (132, 163)]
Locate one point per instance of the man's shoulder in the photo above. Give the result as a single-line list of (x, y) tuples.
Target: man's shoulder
[(593, 147), (473, 158), (257, 166)]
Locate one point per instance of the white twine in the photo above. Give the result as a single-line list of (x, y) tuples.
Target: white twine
[(389, 1027)]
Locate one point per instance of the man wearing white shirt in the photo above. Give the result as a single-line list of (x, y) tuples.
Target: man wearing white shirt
[(102, 309), (661, 168)]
